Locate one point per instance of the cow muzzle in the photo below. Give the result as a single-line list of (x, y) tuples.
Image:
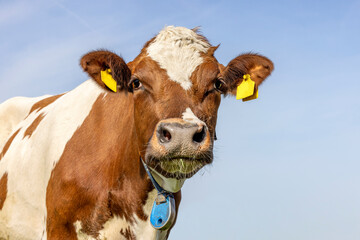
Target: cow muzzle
[(179, 148)]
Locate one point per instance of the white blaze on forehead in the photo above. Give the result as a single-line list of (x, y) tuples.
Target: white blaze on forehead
[(189, 116), (177, 50)]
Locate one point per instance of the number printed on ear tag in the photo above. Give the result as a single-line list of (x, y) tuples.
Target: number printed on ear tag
[(163, 212)]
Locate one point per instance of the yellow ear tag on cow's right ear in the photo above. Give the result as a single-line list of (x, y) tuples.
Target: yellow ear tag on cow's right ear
[(108, 80), (252, 97), (246, 89)]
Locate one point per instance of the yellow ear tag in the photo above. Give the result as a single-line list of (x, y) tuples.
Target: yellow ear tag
[(246, 89), (252, 97), (108, 80)]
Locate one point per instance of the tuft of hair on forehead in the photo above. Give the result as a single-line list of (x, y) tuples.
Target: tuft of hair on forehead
[(178, 51), (197, 30), (182, 36)]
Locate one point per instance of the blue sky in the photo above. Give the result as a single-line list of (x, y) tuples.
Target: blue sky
[(287, 164)]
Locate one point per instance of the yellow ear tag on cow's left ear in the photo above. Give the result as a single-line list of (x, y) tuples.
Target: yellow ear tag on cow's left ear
[(246, 89), (108, 80)]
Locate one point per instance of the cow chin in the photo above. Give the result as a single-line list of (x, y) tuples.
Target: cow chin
[(178, 167)]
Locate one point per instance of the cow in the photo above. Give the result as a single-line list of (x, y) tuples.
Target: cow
[(74, 165)]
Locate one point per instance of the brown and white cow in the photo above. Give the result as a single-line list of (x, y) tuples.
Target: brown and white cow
[(70, 164)]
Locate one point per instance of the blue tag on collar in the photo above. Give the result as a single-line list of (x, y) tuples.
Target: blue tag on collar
[(163, 212)]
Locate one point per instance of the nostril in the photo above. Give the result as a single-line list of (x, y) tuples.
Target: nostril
[(199, 136), (166, 135)]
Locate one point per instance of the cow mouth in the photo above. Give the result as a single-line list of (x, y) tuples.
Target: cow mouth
[(178, 167)]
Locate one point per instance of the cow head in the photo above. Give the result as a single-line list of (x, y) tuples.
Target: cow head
[(176, 84)]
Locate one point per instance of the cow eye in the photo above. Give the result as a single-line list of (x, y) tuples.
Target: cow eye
[(219, 85), (135, 84)]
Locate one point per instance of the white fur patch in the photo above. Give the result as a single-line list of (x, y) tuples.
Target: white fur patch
[(112, 228), (30, 161), (80, 234), (177, 50), (189, 116), (144, 229)]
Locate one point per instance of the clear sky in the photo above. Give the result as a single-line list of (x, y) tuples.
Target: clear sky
[(287, 165)]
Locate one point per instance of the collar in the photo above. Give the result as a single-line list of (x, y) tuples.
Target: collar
[(163, 213)]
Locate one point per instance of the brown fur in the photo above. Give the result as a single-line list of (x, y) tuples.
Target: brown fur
[(7, 144), (44, 102), (29, 131), (128, 234), (3, 189), (101, 169), (100, 174)]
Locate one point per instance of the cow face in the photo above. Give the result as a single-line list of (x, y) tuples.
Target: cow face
[(176, 84)]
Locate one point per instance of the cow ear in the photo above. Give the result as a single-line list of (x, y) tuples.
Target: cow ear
[(257, 66), (96, 62)]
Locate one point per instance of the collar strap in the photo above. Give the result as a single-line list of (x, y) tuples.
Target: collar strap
[(156, 185)]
